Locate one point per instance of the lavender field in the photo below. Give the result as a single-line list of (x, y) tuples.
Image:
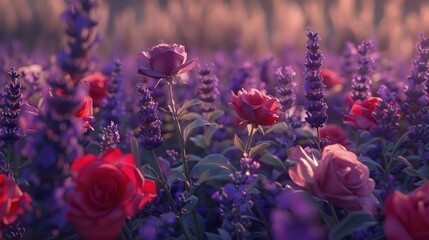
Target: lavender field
[(214, 119)]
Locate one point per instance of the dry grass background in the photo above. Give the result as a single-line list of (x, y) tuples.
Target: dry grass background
[(258, 26)]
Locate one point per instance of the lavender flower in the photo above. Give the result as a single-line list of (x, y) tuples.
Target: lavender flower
[(240, 76), (158, 228), (111, 110), (387, 115), (314, 87), (362, 79), (347, 64), (11, 107), (109, 137), (286, 86), (208, 90), (150, 125), (80, 29)]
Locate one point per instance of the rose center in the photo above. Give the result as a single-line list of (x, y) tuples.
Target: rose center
[(166, 63), (106, 192)]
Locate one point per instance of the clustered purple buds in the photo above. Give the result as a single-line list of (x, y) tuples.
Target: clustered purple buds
[(109, 137), (9, 131), (386, 114), (348, 63), (112, 110), (362, 77), (314, 88), (286, 86), (208, 89), (150, 125)]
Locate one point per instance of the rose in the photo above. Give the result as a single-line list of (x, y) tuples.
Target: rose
[(97, 87), (107, 189), (360, 116), (164, 61), (255, 107), (331, 78), (335, 134), (407, 216), (13, 201), (338, 178), (85, 112)]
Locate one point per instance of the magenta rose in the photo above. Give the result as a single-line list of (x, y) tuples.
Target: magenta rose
[(407, 216), (360, 116), (108, 189), (164, 60), (338, 178), (256, 107)]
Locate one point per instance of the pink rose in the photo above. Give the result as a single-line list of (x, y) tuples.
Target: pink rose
[(107, 190), (407, 216), (13, 201), (164, 60), (336, 134), (97, 87), (255, 107), (338, 178), (360, 116)]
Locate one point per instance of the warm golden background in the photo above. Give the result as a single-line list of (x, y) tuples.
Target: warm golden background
[(257, 26)]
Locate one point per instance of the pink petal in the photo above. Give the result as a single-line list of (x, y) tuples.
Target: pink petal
[(185, 67)]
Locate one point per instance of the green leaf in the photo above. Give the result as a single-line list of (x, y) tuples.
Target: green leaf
[(211, 167), (190, 116), (280, 126), (353, 222), (273, 161), (371, 164), (176, 174), (238, 143), (135, 150), (259, 147), (209, 132), (199, 141), (187, 105), (213, 116), (191, 204), (195, 124), (148, 171)]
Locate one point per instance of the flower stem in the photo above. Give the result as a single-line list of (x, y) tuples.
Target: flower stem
[(386, 161), (318, 138), (180, 135), (334, 214), (250, 139)]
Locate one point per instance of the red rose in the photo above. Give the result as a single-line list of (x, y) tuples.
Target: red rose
[(97, 87), (407, 216), (331, 78), (107, 189), (13, 201), (85, 112), (256, 107), (336, 134), (338, 177), (164, 60), (360, 116)]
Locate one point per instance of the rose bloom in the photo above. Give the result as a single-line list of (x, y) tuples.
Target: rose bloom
[(338, 178), (97, 87), (336, 134), (331, 78), (85, 112), (13, 201), (360, 116), (108, 189), (164, 61), (256, 107), (407, 216)]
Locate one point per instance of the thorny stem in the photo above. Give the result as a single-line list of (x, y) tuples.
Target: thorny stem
[(164, 184)]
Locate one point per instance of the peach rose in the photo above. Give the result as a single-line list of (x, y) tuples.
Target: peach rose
[(164, 60), (107, 189), (338, 178), (407, 216), (256, 107)]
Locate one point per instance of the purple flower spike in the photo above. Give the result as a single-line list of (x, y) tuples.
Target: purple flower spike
[(164, 61)]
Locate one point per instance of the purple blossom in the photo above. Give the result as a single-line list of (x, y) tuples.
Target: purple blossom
[(208, 89), (362, 77), (387, 115), (109, 137), (348, 63), (112, 111), (9, 131), (286, 86), (150, 125)]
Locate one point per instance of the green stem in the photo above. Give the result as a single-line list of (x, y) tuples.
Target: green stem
[(334, 214), (250, 139), (127, 233), (318, 138), (164, 184), (180, 134)]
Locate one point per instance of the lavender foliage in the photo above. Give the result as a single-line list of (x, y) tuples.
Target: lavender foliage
[(109, 137), (150, 124), (208, 90), (9, 131), (286, 86), (362, 78)]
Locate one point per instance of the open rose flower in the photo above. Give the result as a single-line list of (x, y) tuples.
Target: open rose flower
[(331, 78), (164, 60), (256, 107), (360, 116), (97, 87), (107, 190), (13, 201), (407, 216), (85, 112), (338, 178)]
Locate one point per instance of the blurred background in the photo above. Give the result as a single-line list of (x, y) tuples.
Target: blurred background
[(257, 27)]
